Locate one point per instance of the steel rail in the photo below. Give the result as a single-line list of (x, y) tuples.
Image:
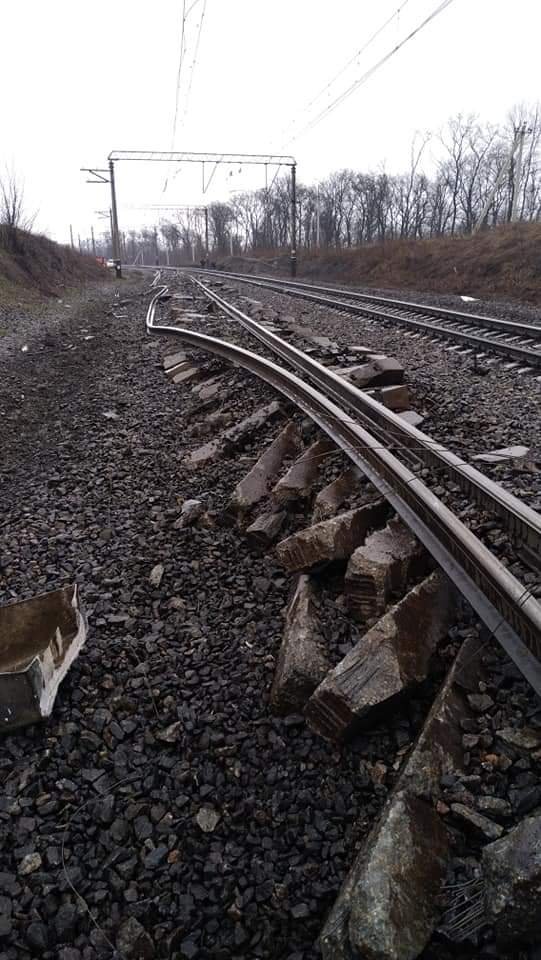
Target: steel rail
[(515, 327), (525, 355), (523, 523), (506, 607)]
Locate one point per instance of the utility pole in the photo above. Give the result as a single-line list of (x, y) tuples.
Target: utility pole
[(317, 216), (206, 236), (517, 173), (294, 220), (114, 222), (93, 241), (71, 237)]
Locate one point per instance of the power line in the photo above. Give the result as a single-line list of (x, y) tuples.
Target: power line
[(353, 59), (358, 54), (194, 61), (179, 72), (369, 73)]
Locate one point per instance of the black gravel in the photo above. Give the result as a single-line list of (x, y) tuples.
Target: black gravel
[(162, 810)]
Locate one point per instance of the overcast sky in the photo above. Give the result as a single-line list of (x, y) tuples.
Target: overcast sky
[(79, 79)]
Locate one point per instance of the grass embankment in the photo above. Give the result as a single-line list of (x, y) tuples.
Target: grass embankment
[(34, 265), (503, 263)]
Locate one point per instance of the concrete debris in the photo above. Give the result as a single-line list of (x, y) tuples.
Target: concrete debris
[(389, 904), (155, 575), (179, 367), (412, 417), (186, 374), (39, 640), (207, 819), (333, 539), (325, 343), (264, 530), (395, 398), (302, 663), (380, 567), (254, 486), (297, 483), (254, 306), (503, 455), (208, 453), (331, 497), (110, 414), (29, 864), (189, 514), (512, 872), (173, 360), (217, 420), (360, 351), (226, 444), (478, 823), (378, 372), (390, 659), (208, 389)]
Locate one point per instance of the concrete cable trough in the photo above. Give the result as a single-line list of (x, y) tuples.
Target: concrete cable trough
[(39, 640)]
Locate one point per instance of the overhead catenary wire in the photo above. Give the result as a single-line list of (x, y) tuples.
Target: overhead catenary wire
[(194, 61), (370, 72), (354, 58), (179, 71)]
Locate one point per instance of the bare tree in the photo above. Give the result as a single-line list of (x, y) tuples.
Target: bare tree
[(12, 215)]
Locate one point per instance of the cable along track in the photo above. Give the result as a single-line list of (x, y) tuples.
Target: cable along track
[(506, 607), (520, 342)]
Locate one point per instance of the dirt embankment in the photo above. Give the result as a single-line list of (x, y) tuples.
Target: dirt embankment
[(503, 262), (30, 263)]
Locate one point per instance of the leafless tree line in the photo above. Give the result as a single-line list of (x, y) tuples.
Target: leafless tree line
[(350, 208)]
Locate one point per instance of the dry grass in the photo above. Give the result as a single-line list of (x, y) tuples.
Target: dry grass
[(504, 262), (38, 265)]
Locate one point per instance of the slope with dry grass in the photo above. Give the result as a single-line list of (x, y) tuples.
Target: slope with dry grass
[(33, 264), (504, 262)]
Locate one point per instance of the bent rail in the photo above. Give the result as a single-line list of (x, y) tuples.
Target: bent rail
[(507, 608)]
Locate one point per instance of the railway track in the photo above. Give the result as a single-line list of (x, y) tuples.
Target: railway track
[(519, 342), (506, 607)]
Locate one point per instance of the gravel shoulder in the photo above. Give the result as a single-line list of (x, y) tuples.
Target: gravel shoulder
[(165, 712)]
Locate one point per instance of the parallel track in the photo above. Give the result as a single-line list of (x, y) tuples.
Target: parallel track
[(519, 342), (507, 608), (522, 523)]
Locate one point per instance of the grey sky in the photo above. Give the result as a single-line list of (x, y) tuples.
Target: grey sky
[(81, 78)]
